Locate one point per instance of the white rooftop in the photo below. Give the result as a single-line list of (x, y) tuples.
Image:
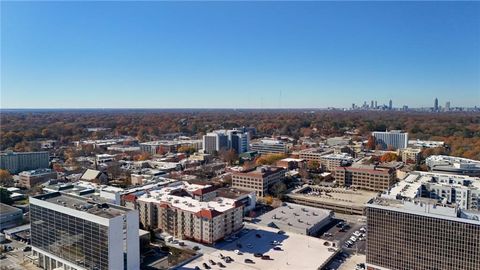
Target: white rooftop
[(184, 202), (298, 251)]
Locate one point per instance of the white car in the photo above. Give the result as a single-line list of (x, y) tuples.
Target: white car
[(238, 252)]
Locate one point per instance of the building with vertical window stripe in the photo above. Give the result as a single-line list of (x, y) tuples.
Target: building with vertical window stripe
[(394, 138), (421, 235), (74, 233)]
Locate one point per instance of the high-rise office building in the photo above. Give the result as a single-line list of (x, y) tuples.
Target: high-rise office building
[(394, 138), (390, 105), (421, 235), (15, 162), (371, 104), (238, 141), (215, 141), (72, 233), (376, 106), (447, 106), (435, 105)]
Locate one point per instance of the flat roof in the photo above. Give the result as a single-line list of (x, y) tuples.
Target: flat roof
[(338, 196), (295, 215), (7, 209), (298, 251), (186, 203), (262, 171), (90, 206)]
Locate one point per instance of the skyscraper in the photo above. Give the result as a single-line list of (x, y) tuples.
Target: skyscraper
[(447, 106), (371, 104), (390, 105), (376, 104), (435, 105)]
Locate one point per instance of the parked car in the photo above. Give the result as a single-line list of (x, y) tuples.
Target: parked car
[(258, 255), (248, 261), (196, 248), (212, 262), (182, 244), (221, 265), (266, 257), (277, 248), (27, 248), (280, 232), (238, 252), (206, 266)]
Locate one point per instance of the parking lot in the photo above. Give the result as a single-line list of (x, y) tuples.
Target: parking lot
[(341, 234), (17, 258), (292, 251)]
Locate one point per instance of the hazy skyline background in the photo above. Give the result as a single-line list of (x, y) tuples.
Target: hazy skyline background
[(238, 55)]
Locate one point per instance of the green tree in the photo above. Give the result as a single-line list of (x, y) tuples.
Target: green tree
[(5, 196)]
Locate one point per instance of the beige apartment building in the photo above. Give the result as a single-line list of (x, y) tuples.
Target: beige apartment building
[(331, 161), (410, 155), (259, 179), (181, 212), (365, 177)]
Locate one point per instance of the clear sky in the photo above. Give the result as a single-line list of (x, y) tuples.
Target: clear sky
[(238, 54)]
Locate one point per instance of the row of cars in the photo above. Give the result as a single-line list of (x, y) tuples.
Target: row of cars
[(359, 235)]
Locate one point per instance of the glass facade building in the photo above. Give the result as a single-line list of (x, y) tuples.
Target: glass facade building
[(77, 240), (75, 233)]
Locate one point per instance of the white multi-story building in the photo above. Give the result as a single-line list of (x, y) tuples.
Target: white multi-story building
[(425, 144), (190, 211), (331, 161), (269, 146), (74, 233), (394, 138), (215, 141), (15, 162), (235, 139), (460, 190), (454, 165)]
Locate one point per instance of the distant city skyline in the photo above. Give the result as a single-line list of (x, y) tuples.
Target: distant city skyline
[(239, 54)]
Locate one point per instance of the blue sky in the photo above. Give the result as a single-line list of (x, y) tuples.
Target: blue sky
[(238, 55)]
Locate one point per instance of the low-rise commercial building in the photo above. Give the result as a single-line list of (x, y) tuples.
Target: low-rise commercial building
[(314, 154), (32, 178), (296, 218), (453, 165), (269, 146), (10, 216), (365, 177), (339, 200), (259, 179)]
